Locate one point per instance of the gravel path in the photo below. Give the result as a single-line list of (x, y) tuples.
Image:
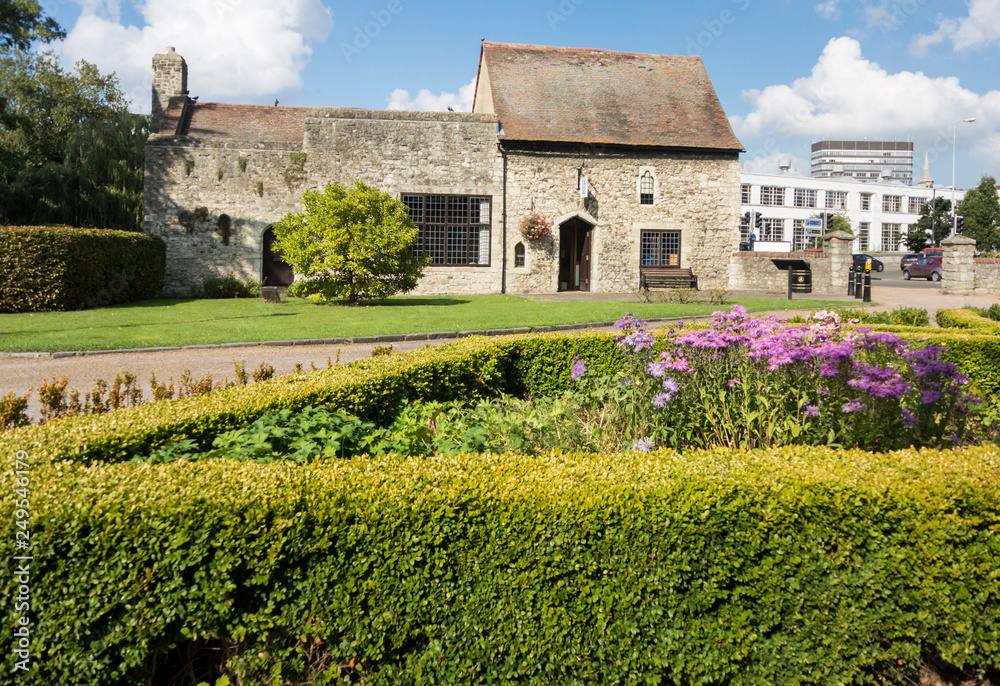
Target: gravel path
[(21, 373)]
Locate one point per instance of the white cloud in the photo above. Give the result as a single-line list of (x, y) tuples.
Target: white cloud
[(426, 101), (234, 48), (828, 9), (978, 30), (847, 96)]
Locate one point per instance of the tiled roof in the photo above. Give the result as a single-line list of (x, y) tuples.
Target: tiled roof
[(595, 96), (207, 120)]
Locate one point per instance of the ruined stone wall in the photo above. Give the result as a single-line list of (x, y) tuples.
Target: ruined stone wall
[(191, 183), (986, 275), (697, 195)]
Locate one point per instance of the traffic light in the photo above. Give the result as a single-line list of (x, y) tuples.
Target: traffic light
[(758, 220), (746, 218), (828, 221), (959, 220)]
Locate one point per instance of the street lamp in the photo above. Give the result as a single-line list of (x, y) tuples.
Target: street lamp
[(954, 130)]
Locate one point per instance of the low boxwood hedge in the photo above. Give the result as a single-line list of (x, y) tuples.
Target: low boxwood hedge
[(64, 268), (471, 368), (468, 369), (791, 566), (966, 318)]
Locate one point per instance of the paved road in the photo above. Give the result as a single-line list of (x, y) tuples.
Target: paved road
[(19, 374)]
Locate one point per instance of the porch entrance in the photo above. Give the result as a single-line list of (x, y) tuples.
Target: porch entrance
[(276, 272), (574, 255)]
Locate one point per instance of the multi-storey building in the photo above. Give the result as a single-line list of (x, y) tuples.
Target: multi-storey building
[(880, 214), (867, 161)]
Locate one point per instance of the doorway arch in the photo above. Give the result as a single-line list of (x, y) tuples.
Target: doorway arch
[(275, 271), (575, 236)]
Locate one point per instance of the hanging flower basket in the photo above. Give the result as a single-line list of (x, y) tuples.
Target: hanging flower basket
[(535, 226)]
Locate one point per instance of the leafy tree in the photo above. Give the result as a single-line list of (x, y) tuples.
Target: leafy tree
[(352, 243), (71, 152), (981, 210), (937, 217), (841, 223), (22, 21)]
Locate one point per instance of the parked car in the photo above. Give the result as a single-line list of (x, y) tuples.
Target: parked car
[(928, 252), (908, 259), (927, 267), (861, 258)]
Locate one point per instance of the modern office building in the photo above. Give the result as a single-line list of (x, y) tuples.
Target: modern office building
[(880, 213), (866, 161)]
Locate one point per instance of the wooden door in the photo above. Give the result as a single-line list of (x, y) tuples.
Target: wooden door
[(276, 272)]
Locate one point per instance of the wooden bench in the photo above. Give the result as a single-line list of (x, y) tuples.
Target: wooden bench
[(666, 277)]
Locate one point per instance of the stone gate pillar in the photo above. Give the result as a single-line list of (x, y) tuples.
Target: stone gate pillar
[(959, 265), (838, 247)]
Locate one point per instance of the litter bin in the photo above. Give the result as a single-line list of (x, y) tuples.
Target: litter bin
[(802, 281)]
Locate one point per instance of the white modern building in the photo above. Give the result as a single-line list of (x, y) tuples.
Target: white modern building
[(866, 161), (880, 213)]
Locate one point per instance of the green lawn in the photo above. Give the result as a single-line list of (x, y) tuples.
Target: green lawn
[(157, 323)]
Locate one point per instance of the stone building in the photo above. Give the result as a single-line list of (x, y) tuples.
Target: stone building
[(631, 156)]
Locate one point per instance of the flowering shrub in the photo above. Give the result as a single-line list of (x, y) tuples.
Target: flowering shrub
[(535, 226), (756, 382)]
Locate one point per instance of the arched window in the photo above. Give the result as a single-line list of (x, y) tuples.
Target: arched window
[(519, 255), (646, 189)]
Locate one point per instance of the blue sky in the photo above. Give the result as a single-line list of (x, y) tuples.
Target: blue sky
[(786, 72)]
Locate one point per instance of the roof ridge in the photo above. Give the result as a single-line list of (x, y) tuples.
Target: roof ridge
[(554, 48)]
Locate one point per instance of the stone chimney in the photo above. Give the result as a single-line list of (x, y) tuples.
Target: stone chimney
[(170, 77)]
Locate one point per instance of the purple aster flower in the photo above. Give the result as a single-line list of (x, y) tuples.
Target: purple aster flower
[(909, 419), (733, 383), (670, 385), (579, 368), (953, 438), (657, 369), (854, 406), (661, 399), (643, 445), (812, 411), (928, 397)]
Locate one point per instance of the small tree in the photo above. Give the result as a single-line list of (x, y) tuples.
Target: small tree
[(937, 218), (353, 244), (981, 210)]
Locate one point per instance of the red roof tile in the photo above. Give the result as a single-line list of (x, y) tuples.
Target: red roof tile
[(596, 96)]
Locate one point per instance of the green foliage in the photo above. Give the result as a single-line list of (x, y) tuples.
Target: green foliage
[(967, 318), (242, 164), (61, 268), (260, 189), (188, 167), (229, 287), (786, 566), (841, 223), (70, 152), (352, 244), (23, 22), (936, 223), (991, 312), (14, 411), (981, 209), (901, 316)]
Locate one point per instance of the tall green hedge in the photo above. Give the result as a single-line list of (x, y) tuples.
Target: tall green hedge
[(792, 566), (63, 268)]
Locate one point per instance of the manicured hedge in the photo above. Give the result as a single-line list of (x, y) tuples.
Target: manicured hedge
[(63, 268), (794, 566), (468, 369), (965, 318)]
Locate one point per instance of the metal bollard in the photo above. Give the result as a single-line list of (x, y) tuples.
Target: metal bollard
[(850, 282), (857, 285), (868, 287)]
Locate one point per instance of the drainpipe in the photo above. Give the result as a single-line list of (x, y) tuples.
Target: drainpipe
[(503, 272)]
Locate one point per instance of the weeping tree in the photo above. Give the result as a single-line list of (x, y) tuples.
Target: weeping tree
[(70, 151)]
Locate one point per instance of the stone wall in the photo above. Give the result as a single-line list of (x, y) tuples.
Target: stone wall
[(987, 275), (959, 266), (697, 195), (754, 271), (191, 183)]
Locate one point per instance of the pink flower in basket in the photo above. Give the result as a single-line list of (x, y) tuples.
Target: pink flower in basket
[(535, 226)]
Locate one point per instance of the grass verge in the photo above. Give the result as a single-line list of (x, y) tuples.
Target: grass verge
[(155, 323)]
